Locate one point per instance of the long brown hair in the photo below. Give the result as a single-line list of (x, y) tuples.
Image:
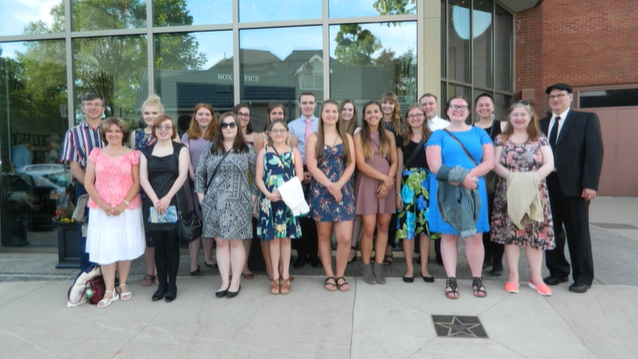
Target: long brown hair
[(239, 145), (366, 141), (352, 124), (271, 107), (194, 131), (340, 131), (407, 131), (235, 110), (396, 114), (533, 129)]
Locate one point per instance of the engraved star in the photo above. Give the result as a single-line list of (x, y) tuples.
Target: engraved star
[(457, 328)]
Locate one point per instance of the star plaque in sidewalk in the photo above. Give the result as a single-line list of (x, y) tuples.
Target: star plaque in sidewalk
[(454, 326)]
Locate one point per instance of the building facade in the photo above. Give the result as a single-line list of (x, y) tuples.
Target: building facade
[(222, 52)]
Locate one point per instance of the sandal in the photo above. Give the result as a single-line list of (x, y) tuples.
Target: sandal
[(106, 302), (451, 288), (285, 286), (477, 287), (387, 260), (148, 280), (125, 295), (330, 287), (275, 287), (344, 286)]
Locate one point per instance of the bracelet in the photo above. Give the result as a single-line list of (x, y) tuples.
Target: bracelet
[(126, 203)]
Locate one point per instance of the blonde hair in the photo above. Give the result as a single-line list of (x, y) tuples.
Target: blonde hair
[(155, 101)]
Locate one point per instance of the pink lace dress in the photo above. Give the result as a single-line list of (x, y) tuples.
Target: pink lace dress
[(114, 238)]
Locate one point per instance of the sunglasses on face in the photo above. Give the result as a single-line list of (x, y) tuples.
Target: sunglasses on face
[(230, 125)]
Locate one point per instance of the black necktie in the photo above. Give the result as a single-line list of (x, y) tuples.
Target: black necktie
[(553, 136)]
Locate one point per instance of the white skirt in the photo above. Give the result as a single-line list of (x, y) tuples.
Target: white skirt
[(115, 238)]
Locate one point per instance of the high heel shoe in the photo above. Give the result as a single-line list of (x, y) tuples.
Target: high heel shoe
[(171, 294), (106, 302), (159, 294), (230, 294)]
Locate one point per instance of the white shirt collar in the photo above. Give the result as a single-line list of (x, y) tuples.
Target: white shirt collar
[(562, 115)]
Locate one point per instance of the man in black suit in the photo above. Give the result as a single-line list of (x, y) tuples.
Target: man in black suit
[(577, 144)]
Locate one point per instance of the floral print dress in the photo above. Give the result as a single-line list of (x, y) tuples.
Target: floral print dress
[(323, 207), (275, 218)]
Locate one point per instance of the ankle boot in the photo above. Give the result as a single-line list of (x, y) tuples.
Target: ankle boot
[(367, 274), (378, 273)]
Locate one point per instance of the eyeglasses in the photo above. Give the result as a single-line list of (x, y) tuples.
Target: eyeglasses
[(559, 96), (243, 114), (416, 115), (163, 128), (455, 107), (278, 132), (230, 125)]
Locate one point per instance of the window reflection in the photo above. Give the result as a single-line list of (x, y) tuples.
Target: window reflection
[(501, 106), (458, 51), (482, 49), (111, 67), (33, 120), (503, 58), (192, 12), (367, 60), (345, 8), (31, 17), (277, 70), (191, 68), (91, 15), (277, 10)]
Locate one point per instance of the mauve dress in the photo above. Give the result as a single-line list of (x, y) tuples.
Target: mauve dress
[(367, 202)]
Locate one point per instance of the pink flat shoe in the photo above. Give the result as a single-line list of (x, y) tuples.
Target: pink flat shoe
[(541, 289), (511, 287)]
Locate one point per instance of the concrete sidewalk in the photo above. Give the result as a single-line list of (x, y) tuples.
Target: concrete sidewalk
[(389, 321)]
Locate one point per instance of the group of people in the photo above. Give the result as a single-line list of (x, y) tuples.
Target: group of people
[(498, 186)]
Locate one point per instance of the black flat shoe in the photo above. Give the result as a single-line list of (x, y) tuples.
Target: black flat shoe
[(428, 279), (197, 271), (221, 293), (171, 295), (579, 288), (551, 280), (214, 265), (407, 279), (230, 294), (158, 295), (496, 272)]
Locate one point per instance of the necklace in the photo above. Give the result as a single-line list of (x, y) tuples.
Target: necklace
[(110, 150)]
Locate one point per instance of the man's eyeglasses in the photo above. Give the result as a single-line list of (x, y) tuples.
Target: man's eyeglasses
[(165, 128), (416, 115), (559, 96), (230, 125)]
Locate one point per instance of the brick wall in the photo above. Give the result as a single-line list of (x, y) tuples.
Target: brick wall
[(579, 42)]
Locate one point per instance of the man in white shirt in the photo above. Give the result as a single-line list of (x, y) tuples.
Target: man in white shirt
[(430, 105), (302, 128)]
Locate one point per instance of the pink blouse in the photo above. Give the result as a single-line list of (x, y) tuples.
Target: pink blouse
[(114, 178)]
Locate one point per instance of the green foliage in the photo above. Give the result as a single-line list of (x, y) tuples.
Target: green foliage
[(395, 7), (355, 46)]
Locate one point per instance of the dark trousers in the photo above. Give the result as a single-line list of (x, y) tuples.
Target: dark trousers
[(573, 213), (85, 263), (493, 251), (307, 245), (166, 258)]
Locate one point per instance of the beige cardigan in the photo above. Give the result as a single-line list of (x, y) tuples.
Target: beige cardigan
[(524, 204)]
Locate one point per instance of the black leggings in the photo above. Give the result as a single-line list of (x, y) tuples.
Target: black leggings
[(166, 257)]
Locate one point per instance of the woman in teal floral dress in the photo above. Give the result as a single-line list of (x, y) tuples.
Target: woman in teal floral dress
[(413, 195), (277, 163)]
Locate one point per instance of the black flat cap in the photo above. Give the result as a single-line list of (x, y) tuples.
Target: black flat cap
[(559, 86)]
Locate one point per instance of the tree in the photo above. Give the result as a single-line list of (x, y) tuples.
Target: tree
[(395, 7), (355, 46)]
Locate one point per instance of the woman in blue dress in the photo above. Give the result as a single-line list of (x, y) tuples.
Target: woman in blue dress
[(443, 149), (277, 163), (330, 160)]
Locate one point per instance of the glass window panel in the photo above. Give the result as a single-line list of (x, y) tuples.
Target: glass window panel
[(276, 10), (91, 15), (443, 39), (192, 12), (504, 50), (113, 67), (31, 17), (349, 8), (273, 70), (33, 121), (502, 105), (458, 48), (482, 36), (367, 60), (609, 98), (191, 68)]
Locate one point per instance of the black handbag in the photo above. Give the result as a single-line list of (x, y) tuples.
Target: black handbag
[(189, 227)]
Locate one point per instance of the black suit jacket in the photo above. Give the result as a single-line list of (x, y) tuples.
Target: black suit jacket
[(578, 154)]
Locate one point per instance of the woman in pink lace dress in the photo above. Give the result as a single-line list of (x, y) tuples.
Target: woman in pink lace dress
[(115, 234)]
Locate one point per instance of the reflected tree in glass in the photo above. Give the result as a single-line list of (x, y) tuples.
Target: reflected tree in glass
[(395, 7), (355, 46), (90, 15)]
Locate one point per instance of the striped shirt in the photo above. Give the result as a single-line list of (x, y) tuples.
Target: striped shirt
[(79, 142)]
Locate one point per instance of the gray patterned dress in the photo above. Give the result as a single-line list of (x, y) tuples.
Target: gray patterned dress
[(227, 206)]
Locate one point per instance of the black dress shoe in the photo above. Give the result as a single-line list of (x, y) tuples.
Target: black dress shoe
[(408, 279), (159, 294), (315, 262), (299, 262), (579, 288), (171, 295), (496, 272), (221, 293), (551, 280), (230, 294)]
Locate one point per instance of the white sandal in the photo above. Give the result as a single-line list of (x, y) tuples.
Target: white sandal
[(125, 295), (106, 302)]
